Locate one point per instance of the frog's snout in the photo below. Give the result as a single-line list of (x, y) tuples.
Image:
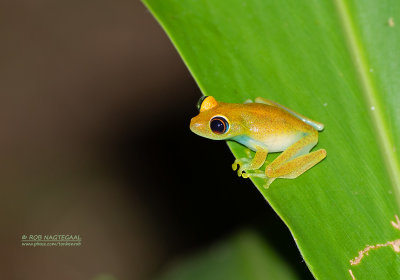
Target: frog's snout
[(196, 126)]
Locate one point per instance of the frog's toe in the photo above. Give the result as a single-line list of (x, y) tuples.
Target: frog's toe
[(246, 175), (235, 165), (241, 170), (240, 165), (254, 173), (269, 182), (259, 174)]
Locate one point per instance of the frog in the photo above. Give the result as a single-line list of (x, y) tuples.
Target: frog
[(264, 127)]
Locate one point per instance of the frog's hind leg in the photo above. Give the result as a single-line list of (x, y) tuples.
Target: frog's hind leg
[(296, 159), (305, 162)]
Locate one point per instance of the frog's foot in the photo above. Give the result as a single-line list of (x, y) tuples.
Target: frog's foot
[(246, 164), (259, 174), (241, 165)]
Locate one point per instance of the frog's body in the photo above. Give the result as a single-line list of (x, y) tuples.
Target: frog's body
[(279, 129), (263, 127)]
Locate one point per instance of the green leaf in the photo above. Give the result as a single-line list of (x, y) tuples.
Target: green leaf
[(337, 62), (245, 256)]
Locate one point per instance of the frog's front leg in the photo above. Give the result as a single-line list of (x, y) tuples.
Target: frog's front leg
[(256, 162), (296, 159)]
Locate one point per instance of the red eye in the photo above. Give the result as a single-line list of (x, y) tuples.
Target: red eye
[(219, 125)]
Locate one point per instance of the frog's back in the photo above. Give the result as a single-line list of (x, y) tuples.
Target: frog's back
[(271, 127), (273, 119)]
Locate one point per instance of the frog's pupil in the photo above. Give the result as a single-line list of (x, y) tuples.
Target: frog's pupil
[(219, 125)]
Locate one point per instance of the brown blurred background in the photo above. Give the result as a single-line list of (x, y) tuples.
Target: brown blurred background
[(94, 114)]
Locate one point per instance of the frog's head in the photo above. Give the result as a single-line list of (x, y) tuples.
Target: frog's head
[(216, 120)]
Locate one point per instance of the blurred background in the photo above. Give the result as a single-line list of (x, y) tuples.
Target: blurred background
[(95, 110)]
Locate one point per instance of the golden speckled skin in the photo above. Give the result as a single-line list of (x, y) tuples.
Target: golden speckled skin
[(264, 126)]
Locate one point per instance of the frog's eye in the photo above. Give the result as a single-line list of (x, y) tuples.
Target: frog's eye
[(219, 125), (206, 103)]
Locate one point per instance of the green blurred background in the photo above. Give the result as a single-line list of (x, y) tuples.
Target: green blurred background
[(95, 109)]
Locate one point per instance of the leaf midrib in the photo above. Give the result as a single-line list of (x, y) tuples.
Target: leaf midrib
[(384, 138)]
